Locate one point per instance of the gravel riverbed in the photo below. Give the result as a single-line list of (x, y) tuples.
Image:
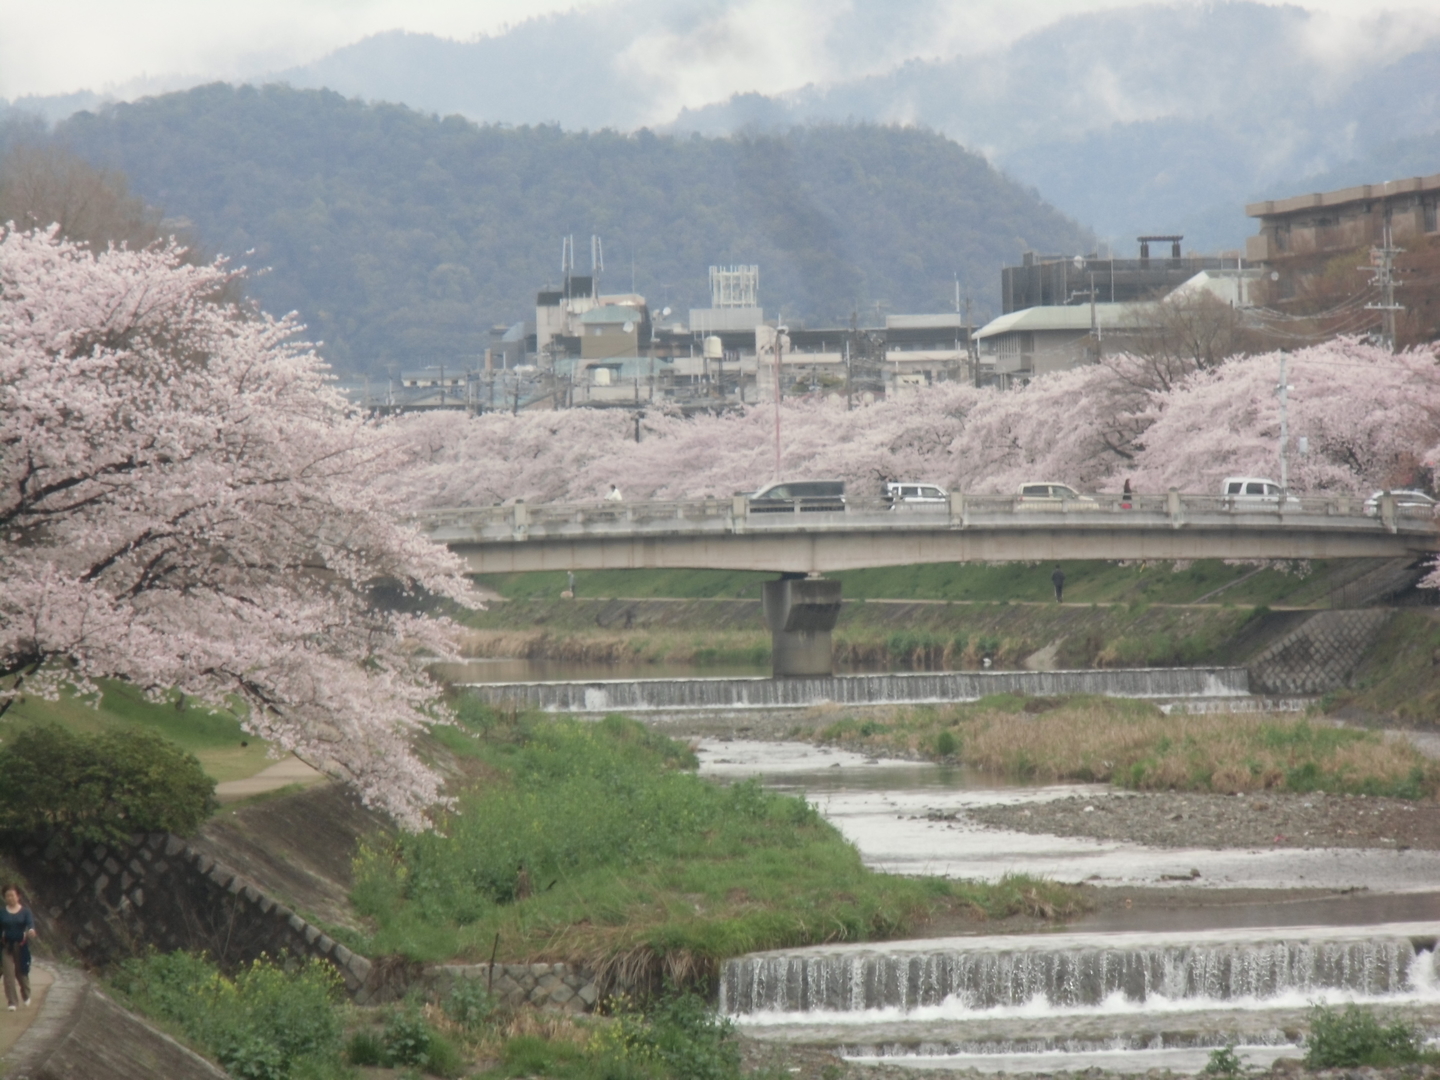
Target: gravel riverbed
[(1176, 820)]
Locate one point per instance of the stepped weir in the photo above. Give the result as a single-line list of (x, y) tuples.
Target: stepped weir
[(662, 695), (1125, 1001), (1079, 971)]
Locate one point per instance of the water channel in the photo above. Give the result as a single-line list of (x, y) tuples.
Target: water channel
[(1123, 991)]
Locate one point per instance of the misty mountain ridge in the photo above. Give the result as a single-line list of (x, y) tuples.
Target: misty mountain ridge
[(400, 238), (1153, 118)]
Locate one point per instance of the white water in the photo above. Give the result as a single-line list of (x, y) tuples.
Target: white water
[(1122, 1001)]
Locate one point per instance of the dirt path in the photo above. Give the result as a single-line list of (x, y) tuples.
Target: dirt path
[(13, 1024), (280, 775)]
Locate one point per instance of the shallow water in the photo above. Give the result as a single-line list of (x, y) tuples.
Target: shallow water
[(897, 813)]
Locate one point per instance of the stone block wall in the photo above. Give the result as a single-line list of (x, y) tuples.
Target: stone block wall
[(114, 899), (1320, 655), (546, 986)]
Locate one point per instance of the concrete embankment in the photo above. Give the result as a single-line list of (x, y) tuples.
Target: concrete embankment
[(80, 1034)]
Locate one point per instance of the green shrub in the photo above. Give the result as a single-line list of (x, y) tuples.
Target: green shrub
[(946, 744), (407, 1038), (1348, 1038), (469, 1004), (365, 1048), (262, 1024), (1224, 1063), (102, 786)]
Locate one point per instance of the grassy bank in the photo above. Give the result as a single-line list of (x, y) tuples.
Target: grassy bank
[(1400, 676), (214, 736), (1086, 582), (1132, 744), (596, 842), (894, 634)]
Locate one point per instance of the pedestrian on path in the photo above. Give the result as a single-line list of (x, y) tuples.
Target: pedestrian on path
[(1126, 495), (614, 495), (17, 930), (1058, 580)]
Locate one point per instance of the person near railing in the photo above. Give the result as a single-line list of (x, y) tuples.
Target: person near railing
[(614, 495), (1125, 495)]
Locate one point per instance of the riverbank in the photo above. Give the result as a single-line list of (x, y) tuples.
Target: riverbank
[(872, 634)]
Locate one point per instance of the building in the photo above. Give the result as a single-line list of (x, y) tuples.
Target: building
[(1018, 346), (1337, 221), (1060, 280)]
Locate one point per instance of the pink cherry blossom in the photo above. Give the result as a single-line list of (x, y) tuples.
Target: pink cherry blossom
[(186, 503)]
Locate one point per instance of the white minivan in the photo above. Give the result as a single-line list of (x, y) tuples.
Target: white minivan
[(1250, 492), (902, 492)]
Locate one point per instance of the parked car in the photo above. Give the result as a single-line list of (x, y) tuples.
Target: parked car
[(799, 496), (1250, 492), (1404, 497), (905, 492), (1048, 495)]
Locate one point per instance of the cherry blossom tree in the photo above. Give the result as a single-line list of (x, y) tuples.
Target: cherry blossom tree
[(1369, 417), (186, 503)]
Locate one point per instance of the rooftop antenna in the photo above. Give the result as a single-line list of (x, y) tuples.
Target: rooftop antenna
[(567, 260), (597, 264)]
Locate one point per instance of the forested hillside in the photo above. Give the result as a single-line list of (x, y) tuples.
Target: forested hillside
[(401, 237)]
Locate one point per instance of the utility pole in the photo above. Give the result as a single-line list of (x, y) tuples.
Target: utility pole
[(1283, 390), (779, 337), (1382, 262)]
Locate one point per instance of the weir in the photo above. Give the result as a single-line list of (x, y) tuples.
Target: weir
[(1125, 1002), (662, 695), (1058, 973)]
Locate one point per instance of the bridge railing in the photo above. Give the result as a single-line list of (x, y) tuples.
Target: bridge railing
[(958, 511)]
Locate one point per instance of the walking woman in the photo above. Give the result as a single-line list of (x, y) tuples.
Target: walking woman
[(17, 930)]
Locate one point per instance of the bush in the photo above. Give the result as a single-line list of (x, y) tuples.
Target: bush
[(407, 1038), (102, 786), (469, 1004), (262, 1024), (365, 1048), (1342, 1039)]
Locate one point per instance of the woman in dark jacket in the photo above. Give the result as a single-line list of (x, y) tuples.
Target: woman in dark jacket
[(17, 930)]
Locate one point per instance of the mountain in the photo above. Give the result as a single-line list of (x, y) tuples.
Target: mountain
[(402, 237)]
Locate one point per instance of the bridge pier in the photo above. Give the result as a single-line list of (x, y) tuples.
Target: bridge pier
[(801, 612)]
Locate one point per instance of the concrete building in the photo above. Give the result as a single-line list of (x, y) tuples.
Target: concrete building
[(1338, 221), (1059, 280), (1023, 344)]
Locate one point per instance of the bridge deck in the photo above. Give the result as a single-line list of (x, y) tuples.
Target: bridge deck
[(730, 534)]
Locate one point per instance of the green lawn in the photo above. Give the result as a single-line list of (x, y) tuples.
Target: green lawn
[(1085, 582), (214, 736)]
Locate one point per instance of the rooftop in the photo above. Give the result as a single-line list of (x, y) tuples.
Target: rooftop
[(1060, 317), (1343, 196)]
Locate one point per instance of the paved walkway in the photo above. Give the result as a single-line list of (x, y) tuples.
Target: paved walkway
[(282, 774), (13, 1024)]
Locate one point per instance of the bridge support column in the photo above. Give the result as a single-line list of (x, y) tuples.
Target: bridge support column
[(801, 612)]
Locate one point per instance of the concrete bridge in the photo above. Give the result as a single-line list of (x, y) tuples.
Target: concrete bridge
[(802, 543)]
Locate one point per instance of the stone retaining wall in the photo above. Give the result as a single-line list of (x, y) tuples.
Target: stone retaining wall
[(1320, 655), (155, 889), (551, 986)]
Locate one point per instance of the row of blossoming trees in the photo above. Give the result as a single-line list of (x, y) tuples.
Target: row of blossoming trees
[(1371, 419), (186, 502)]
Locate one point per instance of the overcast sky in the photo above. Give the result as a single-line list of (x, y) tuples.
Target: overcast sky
[(130, 46)]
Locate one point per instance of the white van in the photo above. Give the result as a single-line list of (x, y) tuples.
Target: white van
[(1049, 495), (1254, 492), (904, 492)]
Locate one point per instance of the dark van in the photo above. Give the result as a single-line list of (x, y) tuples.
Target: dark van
[(799, 496)]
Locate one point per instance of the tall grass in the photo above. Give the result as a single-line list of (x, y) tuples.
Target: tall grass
[(596, 842), (1133, 744)]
